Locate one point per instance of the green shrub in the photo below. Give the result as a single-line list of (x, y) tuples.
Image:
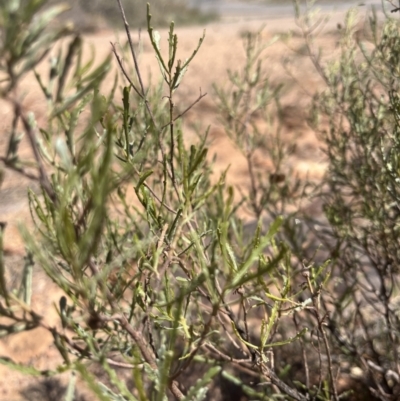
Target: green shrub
[(356, 117), (149, 282), (160, 277)]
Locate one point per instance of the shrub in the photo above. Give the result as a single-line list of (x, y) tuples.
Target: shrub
[(149, 282), (357, 119), (160, 277)]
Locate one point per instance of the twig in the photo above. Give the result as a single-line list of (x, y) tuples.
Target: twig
[(304, 354), (128, 34), (316, 295), (159, 200), (280, 384), (135, 61), (121, 66), (186, 110), (142, 92), (221, 354), (19, 170), (136, 335), (43, 177), (291, 392), (203, 336)]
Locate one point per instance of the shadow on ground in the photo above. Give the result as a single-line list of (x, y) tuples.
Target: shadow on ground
[(49, 389)]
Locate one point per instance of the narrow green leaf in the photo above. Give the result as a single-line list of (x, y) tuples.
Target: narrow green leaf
[(174, 225), (3, 286), (143, 178), (26, 370), (241, 338), (92, 382), (199, 391), (288, 341), (257, 250), (26, 281), (70, 393)]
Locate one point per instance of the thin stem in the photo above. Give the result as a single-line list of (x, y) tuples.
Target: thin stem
[(128, 34), (185, 111), (136, 335), (121, 66), (30, 131), (142, 92)]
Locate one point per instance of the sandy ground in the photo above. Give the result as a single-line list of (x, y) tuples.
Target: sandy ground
[(222, 49)]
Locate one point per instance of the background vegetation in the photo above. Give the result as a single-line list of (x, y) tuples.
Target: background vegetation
[(92, 15), (166, 292)]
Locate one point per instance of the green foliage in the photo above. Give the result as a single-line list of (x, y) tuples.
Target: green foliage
[(25, 38), (362, 189), (160, 277)]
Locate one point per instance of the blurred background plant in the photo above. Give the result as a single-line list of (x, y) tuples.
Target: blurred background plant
[(357, 120), (100, 14)]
